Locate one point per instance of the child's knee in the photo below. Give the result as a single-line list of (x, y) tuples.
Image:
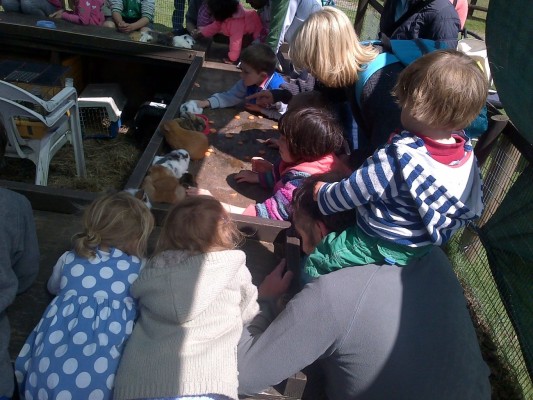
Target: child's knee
[(108, 23)]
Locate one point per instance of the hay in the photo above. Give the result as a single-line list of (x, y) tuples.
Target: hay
[(109, 163)]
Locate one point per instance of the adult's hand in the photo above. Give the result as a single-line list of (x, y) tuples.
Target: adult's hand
[(263, 98), (276, 283)]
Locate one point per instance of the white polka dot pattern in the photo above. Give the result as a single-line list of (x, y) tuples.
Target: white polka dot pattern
[(74, 350)]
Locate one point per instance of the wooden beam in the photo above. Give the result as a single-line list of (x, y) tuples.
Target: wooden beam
[(157, 140), (19, 31)]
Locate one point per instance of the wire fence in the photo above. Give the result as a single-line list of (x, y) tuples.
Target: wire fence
[(497, 336)]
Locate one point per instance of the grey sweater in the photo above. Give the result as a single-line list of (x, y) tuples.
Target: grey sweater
[(380, 332), (19, 265)]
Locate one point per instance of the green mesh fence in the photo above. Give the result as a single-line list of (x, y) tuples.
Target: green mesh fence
[(495, 280)]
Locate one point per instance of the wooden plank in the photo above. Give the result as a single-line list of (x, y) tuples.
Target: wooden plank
[(46, 198), (19, 31), (156, 142)]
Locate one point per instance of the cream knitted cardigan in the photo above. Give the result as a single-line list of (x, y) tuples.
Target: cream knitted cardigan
[(191, 313)]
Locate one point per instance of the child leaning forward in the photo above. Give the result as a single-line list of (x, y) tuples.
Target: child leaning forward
[(194, 296), (258, 64)]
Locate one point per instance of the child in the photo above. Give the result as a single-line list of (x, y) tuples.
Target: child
[(84, 12), (129, 16), (258, 64), (197, 16), (232, 20), (194, 297), (309, 136), (424, 185), (75, 349)]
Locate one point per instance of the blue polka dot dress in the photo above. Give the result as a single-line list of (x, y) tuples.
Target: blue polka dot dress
[(74, 351)]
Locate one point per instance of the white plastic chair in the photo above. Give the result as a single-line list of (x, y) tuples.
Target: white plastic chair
[(61, 116)]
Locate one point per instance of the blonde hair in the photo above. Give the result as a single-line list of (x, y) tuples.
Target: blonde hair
[(115, 220), (198, 224), (327, 46), (444, 89)]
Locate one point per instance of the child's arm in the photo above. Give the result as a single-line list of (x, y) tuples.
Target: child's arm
[(135, 26), (116, 6), (192, 191), (235, 95), (366, 184), (277, 206), (54, 282), (210, 30), (83, 12), (147, 12), (235, 42)]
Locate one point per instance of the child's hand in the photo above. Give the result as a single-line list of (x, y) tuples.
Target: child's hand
[(246, 175), (253, 107), (196, 34), (228, 61), (193, 191), (276, 283), (260, 165), (272, 143), (57, 14), (263, 98), (316, 189)]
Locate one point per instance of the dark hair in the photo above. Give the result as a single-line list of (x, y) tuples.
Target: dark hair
[(222, 9), (311, 132), (260, 57), (305, 209)]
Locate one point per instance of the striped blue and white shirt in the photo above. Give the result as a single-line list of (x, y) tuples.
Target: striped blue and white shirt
[(403, 195)]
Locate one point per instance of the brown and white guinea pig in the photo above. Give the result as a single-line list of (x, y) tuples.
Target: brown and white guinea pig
[(162, 186)]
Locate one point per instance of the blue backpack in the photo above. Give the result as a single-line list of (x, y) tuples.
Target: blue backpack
[(405, 52)]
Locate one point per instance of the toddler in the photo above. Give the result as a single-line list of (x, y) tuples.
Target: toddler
[(84, 12), (197, 16), (258, 64), (309, 136), (129, 16), (194, 297), (232, 20), (421, 187), (74, 350)]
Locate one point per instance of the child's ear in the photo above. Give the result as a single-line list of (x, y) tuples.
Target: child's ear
[(263, 75)]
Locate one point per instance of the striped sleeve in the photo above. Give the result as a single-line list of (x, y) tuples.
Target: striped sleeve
[(148, 9), (116, 6), (366, 184), (278, 206)]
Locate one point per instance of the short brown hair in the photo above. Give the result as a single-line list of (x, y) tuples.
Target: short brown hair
[(198, 224), (260, 57), (115, 220), (444, 89), (311, 132)]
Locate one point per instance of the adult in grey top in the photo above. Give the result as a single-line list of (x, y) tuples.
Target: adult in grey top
[(377, 331), (19, 265)]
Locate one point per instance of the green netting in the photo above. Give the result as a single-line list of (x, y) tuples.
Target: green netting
[(495, 269), (508, 240), (508, 39)]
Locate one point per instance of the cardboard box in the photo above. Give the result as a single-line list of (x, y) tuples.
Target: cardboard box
[(31, 129)]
